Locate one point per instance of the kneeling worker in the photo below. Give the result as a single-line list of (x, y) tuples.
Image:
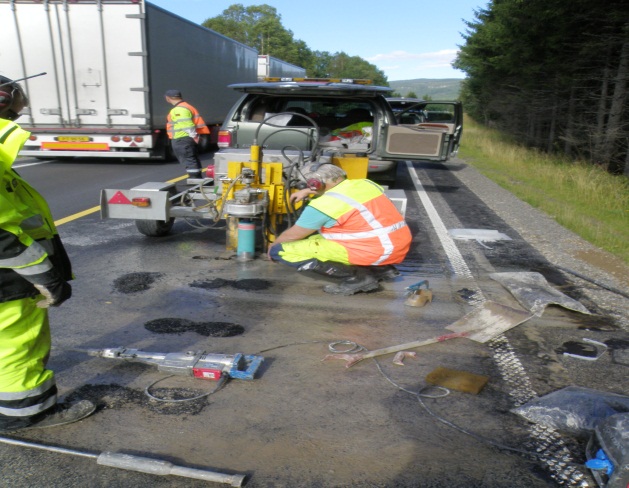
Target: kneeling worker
[(360, 235)]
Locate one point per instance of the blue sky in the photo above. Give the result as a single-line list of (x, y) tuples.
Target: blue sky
[(407, 39)]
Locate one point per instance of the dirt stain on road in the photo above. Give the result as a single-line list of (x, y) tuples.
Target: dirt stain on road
[(245, 284), (113, 396), (207, 329)]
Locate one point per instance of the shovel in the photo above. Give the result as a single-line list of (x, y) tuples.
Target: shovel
[(481, 325)]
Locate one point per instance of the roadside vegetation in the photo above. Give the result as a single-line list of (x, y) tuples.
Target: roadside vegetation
[(580, 196)]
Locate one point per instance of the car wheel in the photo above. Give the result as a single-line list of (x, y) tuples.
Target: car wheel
[(154, 228)]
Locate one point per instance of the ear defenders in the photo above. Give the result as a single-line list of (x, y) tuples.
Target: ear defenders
[(315, 181), (6, 100), (12, 97), (6, 93)]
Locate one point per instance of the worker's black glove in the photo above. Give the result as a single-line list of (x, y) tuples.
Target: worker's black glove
[(54, 293), (50, 284)]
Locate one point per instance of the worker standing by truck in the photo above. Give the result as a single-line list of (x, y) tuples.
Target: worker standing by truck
[(34, 274), (361, 233), (184, 126)]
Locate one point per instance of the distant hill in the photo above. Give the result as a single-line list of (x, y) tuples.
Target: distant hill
[(444, 89)]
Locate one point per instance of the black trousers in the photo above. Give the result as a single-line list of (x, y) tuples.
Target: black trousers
[(187, 154)]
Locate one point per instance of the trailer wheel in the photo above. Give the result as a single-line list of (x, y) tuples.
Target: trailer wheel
[(154, 228)]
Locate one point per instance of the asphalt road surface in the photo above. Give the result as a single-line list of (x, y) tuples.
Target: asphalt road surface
[(304, 422)]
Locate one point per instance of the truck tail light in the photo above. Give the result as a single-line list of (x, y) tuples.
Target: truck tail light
[(141, 202), (209, 172), (115, 138), (224, 138), (32, 137), (138, 138)]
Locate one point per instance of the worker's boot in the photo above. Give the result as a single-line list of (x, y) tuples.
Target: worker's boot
[(330, 269), (62, 414), (385, 273), (363, 279)]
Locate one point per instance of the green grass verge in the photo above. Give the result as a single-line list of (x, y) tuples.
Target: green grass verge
[(579, 196)]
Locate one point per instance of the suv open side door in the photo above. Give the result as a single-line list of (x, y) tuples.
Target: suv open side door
[(435, 139)]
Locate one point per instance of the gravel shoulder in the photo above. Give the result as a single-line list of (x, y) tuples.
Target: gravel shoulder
[(559, 245)]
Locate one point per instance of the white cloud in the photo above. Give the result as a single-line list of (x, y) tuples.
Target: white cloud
[(409, 65), (445, 56)]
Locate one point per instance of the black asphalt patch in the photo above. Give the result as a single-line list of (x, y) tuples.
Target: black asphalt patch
[(246, 284), (211, 284), (207, 329), (251, 284), (114, 396), (135, 282)]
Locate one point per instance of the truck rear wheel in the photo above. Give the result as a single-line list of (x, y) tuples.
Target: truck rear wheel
[(154, 228)]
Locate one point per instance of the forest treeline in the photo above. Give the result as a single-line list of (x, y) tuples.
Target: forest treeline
[(552, 73), (260, 26)]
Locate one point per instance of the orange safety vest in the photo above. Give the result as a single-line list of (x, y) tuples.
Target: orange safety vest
[(197, 121), (368, 224)]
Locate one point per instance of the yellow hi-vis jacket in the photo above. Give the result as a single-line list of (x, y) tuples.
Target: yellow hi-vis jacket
[(29, 242), (29, 247), (185, 121), (368, 224)]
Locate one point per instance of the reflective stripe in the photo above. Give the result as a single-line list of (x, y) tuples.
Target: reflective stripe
[(5, 135), (28, 411), (35, 269), (21, 395), (366, 234), (31, 254), (12, 138), (382, 233)]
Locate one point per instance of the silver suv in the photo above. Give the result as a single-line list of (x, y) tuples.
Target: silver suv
[(349, 115)]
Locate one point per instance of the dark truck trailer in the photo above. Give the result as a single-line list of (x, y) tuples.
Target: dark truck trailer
[(108, 64)]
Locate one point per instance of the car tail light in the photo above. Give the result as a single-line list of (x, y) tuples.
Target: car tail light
[(224, 138)]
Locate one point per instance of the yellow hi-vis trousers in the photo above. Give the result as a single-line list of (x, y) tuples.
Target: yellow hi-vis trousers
[(27, 388), (296, 253)]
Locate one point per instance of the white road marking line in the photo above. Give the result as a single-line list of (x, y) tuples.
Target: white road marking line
[(17, 166), (459, 266), (556, 457)]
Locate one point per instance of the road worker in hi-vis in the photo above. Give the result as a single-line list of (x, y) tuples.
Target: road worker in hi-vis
[(34, 275), (185, 126), (350, 230)]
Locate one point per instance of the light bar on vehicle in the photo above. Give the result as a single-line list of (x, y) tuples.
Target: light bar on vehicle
[(321, 80)]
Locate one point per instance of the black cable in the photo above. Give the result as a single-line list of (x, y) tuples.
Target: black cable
[(593, 281), (221, 382)]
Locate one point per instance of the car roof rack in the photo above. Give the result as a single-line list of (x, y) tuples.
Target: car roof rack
[(351, 81)]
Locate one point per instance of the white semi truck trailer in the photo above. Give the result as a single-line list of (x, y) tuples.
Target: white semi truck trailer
[(108, 64)]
